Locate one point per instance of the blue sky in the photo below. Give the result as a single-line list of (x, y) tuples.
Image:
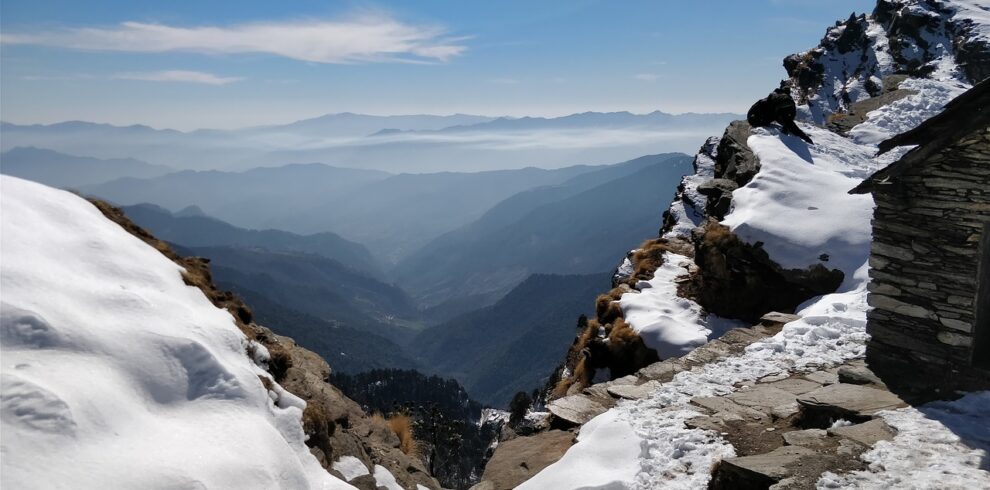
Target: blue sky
[(223, 64)]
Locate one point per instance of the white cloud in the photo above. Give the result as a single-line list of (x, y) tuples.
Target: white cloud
[(647, 77), (364, 38), (178, 76)]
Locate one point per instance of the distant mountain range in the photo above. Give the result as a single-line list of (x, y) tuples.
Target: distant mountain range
[(392, 215), (68, 171), (413, 143)]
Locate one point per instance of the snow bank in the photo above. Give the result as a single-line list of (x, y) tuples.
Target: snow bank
[(667, 323), (798, 205), (606, 455), (115, 374), (938, 445)]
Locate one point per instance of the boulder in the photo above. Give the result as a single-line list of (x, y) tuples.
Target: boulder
[(858, 375), (517, 460)]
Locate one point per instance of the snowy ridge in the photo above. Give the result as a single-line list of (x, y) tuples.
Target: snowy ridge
[(110, 361), (798, 206)]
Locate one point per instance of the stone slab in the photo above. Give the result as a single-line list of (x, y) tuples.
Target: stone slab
[(762, 397), (761, 470), (576, 409), (806, 438), (634, 392), (847, 399), (797, 386), (867, 433)]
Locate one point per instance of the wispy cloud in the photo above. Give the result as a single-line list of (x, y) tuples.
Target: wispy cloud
[(365, 38), (647, 77), (178, 76)]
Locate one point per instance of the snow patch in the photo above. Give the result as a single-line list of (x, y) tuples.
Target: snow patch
[(111, 362), (350, 467)]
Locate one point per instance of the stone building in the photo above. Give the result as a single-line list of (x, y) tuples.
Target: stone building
[(930, 259)]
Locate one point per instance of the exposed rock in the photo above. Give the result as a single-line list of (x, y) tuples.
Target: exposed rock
[(759, 471), (776, 317), (739, 280), (634, 392), (796, 386), (662, 371), (823, 377), (763, 397), (720, 404), (867, 433), (856, 113), (719, 194), (858, 375), (846, 401), (808, 438), (517, 460), (576, 409)]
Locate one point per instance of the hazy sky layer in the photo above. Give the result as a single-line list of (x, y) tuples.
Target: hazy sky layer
[(225, 64)]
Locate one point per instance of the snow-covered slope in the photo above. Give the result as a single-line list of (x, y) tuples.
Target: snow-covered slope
[(799, 208), (116, 374)]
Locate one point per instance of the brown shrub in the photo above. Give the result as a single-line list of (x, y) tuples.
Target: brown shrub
[(607, 309), (402, 425), (627, 352)]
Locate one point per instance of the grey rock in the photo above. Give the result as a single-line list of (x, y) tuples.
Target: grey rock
[(806, 438), (776, 317), (517, 460), (867, 433), (760, 471), (719, 404), (634, 392), (844, 400), (796, 386), (762, 397), (858, 375), (576, 409), (823, 377)]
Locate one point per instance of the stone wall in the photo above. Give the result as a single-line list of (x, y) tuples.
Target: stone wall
[(927, 231)]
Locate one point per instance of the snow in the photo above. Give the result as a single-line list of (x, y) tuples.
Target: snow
[(385, 479), (606, 455), (943, 444), (117, 374), (350, 467), (667, 323), (798, 206), (976, 12), (907, 113), (688, 212)]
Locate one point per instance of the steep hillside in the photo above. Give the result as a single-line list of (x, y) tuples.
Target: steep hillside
[(513, 345), (398, 215), (191, 229), (313, 285), (345, 348), (767, 223), (61, 170), (574, 228)]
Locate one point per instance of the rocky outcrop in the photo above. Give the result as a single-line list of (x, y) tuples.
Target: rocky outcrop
[(517, 460), (334, 424), (735, 279)]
